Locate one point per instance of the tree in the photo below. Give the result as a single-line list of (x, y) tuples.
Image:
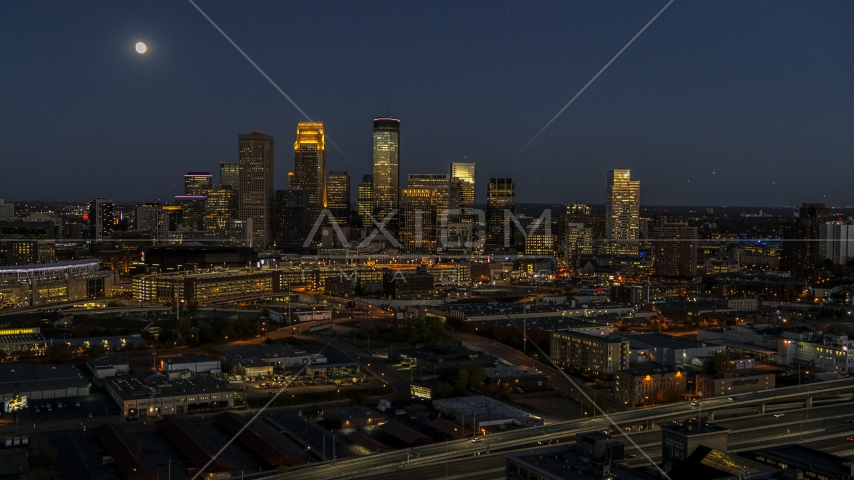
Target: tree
[(718, 363), (444, 390), (59, 352)]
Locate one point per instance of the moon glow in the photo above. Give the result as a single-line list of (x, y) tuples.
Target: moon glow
[(141, 48)]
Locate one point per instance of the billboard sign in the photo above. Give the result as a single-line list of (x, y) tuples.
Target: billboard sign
[(14, 404)]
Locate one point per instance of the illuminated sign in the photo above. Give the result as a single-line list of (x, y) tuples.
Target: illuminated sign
[(16, 403), (418, 391)]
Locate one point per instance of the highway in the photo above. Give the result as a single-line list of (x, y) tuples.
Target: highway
[(788, 398)]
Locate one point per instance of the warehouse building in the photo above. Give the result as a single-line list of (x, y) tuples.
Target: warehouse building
[(41, 382), (158, 395)]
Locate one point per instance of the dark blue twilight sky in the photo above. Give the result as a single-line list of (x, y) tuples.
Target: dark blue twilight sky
[(721, 103)]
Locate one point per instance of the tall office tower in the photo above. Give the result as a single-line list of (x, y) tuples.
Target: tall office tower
[(622, 213), (441, 183), (386, 169), (197, 183), (101, 219), (256, 192), (418, 220), (147, 216), (338, 196), (463, 175), (221, 210), (500, 196), (674, 250), (229, 175), (576, 240), (802, 248), (838, 240), (193, 210), (292, 182), (7, 211), (290, 221), (310, 165), (365, 200)]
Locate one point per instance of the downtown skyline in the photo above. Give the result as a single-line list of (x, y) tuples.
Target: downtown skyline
[(704, 108)]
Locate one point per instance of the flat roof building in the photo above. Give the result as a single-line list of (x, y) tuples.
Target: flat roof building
[(650, 385), (42, 382), (157, 395), (481, 411)]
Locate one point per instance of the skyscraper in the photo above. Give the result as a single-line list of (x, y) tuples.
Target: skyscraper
[(500, 196), (463, 175), (365, 200), (147, 216), (802, 248), (338, 196), (622, 213), (101, 219), (197, 183), (838, 240), (7, 211), (290, 222), (675, 250), (418, 220), (221, 210), (386, 168), (229, 175), (310, 165), (256, 191)]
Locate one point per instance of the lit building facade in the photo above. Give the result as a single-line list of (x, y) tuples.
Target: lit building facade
[(147, 216), (418, 220), (193, 210), (802, 246), (221, 210), (101, 219), (838, 239), (256, 191), (591, 356), (365, 200), (500, 196), (197, 183), (386, 169), (650, 385), (229, 175), (338, 196), (462, 174), (577, 240), (675, 250), (622, 213), (310, 165)]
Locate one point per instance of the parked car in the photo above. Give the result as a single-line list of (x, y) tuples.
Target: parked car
[(778, 415)]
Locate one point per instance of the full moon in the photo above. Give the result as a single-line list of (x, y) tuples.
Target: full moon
[(141, 48)]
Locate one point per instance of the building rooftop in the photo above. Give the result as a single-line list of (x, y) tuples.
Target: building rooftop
[(648, 370), (661, 340), (17, 377), (107, 361), (510, 371), (566, 462), (799, 456), (129, 388), (486, 409)]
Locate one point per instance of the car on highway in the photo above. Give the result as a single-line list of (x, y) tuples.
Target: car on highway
[(847, 420), (778, 415), (849, 438), (732, 399), (476, 439), (695, 403)]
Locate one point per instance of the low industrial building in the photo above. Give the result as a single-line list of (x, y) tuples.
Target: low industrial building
[(736, 382), (106, 367), (650, 385), (193, 363), (159, 395), (479, 412), (402, 285), (669, 350), (21, 340), (527, 379), (678, 441), (110, 343), (353, 417), (42, 382), (594, 456), (279, 356), (436, 358), (808, 461)]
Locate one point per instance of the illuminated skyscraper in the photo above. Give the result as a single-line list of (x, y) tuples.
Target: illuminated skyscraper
[(256, 192), (290, 222), (338, 196), (386, 168), (101, 219), (310, 165), (463, 175), (441, 183), (229, 175), (221, 210), (622, 210), (675, 250), (418, 220), (146, 216), (197, 183), (365, 200), (500, 196)]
